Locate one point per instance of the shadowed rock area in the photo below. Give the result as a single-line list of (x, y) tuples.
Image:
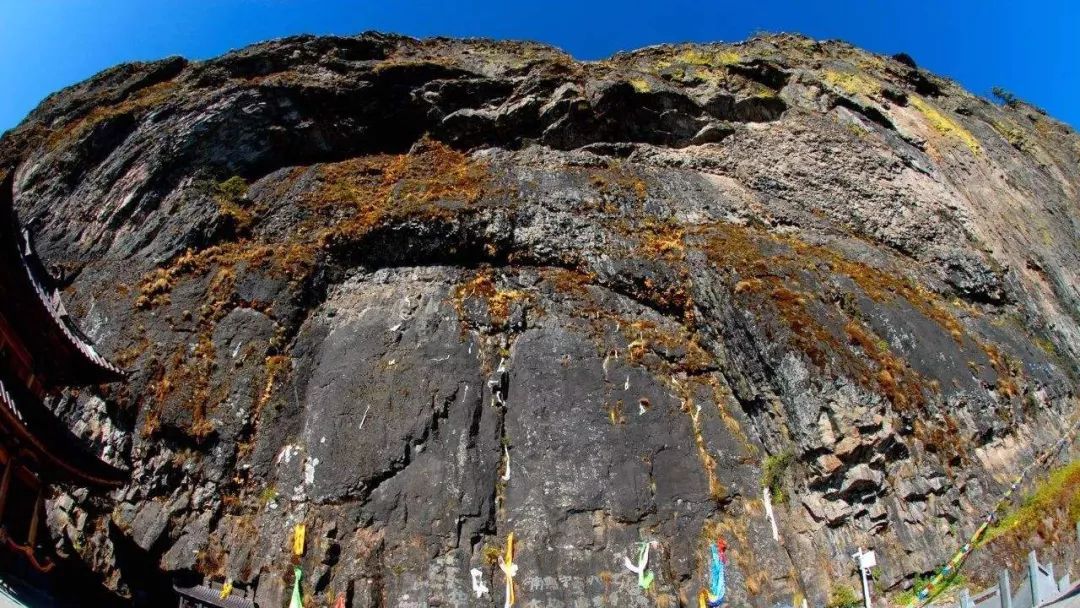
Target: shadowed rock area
[(420, 294)]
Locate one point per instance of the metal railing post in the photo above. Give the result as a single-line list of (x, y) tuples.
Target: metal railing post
[(1004, 589), (1033, 578)]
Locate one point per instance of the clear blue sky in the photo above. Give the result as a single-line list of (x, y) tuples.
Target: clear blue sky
[(1031, 48)]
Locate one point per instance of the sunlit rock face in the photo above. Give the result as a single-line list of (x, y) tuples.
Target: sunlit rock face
[(420, 294)]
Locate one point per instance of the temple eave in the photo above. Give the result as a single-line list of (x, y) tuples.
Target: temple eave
[(43, 323), (54, 448)]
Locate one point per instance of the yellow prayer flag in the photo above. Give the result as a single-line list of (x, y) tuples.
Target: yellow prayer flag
[(226, 589), (511, 596), (298, 539)]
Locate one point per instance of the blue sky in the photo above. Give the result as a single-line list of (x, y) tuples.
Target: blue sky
[(1030, 48)]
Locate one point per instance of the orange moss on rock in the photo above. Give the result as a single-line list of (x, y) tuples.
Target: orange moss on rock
[(663, 240), (616, 182), (498, 301), (772, 268), (431, 182), (571, 282), (1008, 372), (187, 379), (717, 491), (139, 101), (944, 437), (894, 378), (350, 199)]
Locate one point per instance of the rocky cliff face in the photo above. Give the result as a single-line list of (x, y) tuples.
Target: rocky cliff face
[(420, 294)]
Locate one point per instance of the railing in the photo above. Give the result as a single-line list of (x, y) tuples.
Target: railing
[(1039, 588)]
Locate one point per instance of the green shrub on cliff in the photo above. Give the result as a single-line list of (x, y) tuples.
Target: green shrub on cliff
[(773, 470), (843, 596), (1050, 511)]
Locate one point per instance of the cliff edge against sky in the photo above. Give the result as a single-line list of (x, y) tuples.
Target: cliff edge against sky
[(420, 294)]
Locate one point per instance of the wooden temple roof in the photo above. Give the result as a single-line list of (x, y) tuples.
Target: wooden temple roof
[(47, 352), (56, 451), (30, 302)]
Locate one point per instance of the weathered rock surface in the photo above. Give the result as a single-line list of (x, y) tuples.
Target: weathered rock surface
[(421, 294)]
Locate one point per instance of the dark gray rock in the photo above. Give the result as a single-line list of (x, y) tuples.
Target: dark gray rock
[(474, 288)]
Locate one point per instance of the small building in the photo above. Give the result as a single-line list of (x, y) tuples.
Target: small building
[(42, 351), (209, 596)]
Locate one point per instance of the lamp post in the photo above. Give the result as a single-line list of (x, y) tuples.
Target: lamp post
[(866, 560)]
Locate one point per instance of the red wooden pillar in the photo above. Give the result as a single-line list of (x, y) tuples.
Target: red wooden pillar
[(5, 483), (35, 519)]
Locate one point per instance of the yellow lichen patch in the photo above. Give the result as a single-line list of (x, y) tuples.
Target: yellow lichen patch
[(615, 412), (852, 83), (1011, 134), (694, 65), (138, 101), (705, 57), (640, 85), (944, 125)]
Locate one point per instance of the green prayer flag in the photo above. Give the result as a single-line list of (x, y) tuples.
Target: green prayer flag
[(296, 602)]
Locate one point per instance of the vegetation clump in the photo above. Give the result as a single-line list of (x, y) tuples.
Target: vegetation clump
[(1005, 97), (843, 596), (793, 276), (137, 102), (905, 59), (231, 197), (909, 597), (351, 199), (1049, 512), (499, 301), (773, 472)]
